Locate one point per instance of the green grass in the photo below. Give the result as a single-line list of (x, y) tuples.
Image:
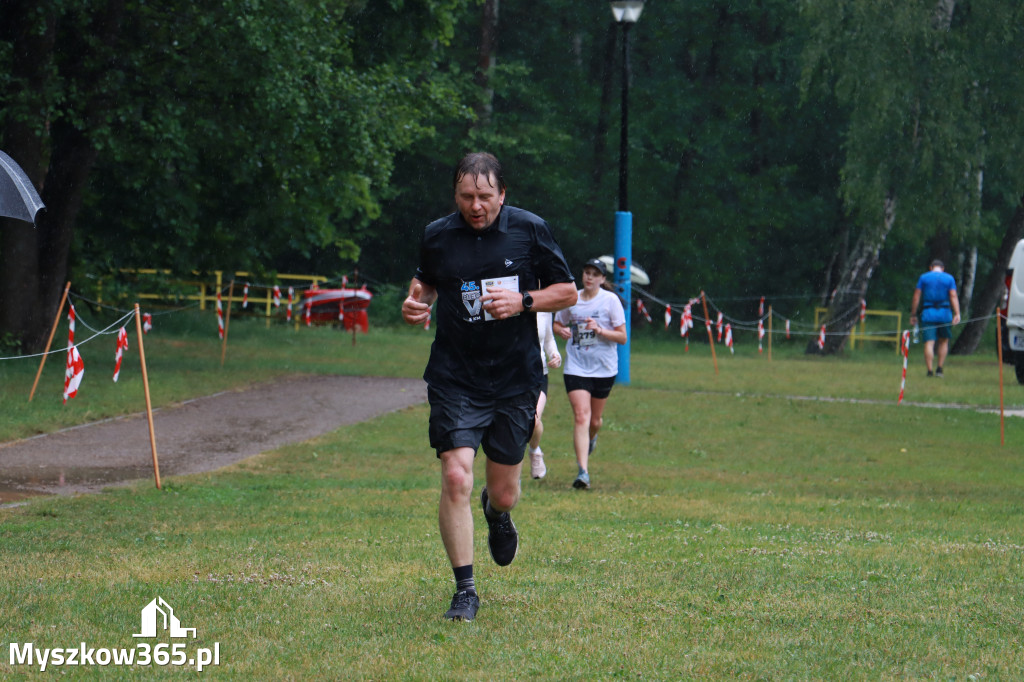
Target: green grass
[(183, 359), (732, 533)]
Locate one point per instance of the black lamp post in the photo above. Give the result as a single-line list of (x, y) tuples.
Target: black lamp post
[(626, 13)]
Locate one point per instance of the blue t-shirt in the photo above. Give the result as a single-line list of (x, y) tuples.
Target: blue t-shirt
[(935, 286)]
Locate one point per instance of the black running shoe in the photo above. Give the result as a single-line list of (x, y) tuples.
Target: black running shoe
[(502, 538), (464, 606), (938, 372)]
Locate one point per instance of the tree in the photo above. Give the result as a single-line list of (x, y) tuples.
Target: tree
[(218, 134), (924, 105)]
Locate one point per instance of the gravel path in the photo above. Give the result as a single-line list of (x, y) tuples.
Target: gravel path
[(200, 435)]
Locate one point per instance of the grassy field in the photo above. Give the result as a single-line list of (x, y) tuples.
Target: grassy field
[(780, 520)]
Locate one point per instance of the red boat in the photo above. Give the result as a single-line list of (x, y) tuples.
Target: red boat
[(329, 306)]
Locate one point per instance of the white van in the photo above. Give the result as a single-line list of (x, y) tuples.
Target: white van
[(1013, 312)]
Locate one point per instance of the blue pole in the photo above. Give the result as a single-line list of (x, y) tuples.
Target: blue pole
[(624, 283)]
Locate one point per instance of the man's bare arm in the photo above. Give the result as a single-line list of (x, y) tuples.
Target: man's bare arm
[(503, 303)]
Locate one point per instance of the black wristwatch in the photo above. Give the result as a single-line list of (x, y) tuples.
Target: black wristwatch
[(527, 301)]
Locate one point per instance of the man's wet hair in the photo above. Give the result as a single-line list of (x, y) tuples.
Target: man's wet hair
[(477, 164)]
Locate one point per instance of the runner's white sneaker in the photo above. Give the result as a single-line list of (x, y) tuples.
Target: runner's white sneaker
[(537, 467)]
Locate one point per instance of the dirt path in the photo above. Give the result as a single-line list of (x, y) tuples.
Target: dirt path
[(200, 435)]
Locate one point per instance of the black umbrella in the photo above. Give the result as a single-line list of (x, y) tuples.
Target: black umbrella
[(18, 197)]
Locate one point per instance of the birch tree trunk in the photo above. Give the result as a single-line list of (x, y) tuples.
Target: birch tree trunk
[(844, 309), (486, 58), (969, 270)]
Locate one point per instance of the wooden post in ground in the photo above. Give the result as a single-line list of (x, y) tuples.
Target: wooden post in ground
[(769, 332), (49, 341), (707, 324), (149, 402), (999, 346), (227, 323)]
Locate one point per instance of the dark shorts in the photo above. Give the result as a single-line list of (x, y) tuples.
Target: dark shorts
[(503, 427), (544, 385), (597, 387), (931, 331)]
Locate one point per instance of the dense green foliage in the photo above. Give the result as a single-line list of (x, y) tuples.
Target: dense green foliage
[(732, 178), (320, 135), (268, 131)]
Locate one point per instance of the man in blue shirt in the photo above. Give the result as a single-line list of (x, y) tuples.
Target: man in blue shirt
[(936, 291)]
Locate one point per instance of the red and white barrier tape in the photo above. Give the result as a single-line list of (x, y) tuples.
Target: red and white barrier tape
[(220, 317), (122, 346), (906, 353), (642, 309), (75, 368)]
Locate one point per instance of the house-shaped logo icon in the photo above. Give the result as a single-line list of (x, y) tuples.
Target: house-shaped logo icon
[(158, 614)]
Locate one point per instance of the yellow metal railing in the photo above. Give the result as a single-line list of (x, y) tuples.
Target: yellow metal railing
[(207, 293), (862, 334)]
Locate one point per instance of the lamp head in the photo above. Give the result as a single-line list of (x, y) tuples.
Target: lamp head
[(627, 11)]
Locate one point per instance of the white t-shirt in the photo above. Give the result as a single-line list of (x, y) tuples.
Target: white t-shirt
[(587, 354)]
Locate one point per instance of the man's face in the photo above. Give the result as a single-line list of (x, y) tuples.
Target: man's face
[(479, 200)]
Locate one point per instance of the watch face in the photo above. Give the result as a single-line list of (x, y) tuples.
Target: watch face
[(527, 301)]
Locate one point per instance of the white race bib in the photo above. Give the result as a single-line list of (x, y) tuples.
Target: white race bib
[(511, 283)]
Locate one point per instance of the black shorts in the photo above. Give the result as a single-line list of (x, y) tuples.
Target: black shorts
[(503, 427), (544, 385), (597, 387)]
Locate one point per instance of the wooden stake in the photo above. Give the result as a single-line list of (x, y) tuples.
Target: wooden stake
[(769, 332), (999, 346), (49, 341), (354, 325), (227, 323), (711, 339), (149, 402)]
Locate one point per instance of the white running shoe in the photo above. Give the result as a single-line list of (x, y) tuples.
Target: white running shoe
[(537, 468)]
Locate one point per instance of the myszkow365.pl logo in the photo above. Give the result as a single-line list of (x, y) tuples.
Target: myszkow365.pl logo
[(157, 617)]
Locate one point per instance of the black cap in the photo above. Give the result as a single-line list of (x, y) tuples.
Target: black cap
[(597, 263)]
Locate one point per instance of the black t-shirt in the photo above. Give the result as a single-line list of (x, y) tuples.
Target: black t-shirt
[(471, 353)]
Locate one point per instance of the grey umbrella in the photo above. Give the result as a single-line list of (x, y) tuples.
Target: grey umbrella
[(18, 197)]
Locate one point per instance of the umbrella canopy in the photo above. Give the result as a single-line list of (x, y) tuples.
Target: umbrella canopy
[(18, 197), (636, 273)]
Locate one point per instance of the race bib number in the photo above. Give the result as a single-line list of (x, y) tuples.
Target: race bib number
[(511, 283), (583, 337)]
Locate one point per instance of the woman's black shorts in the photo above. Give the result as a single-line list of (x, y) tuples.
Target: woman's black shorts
[(597, 387)]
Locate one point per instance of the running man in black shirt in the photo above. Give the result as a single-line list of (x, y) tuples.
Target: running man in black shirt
[(484, 265)]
